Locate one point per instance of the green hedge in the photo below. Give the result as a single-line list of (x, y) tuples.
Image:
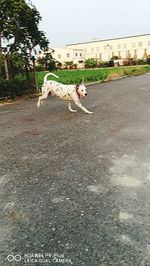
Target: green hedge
[(16, 87), (90, 75)]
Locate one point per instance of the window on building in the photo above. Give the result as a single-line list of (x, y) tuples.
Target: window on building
[(124, 45), (92, 49), (97, 49), (140, 44), (133, 45), (80, 54), (110, 47), (119, 46), (68, 55), (85, 50), (59, 56), (76, 54)]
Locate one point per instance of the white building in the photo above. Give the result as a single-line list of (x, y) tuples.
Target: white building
[(125, 47), (65, 55), (136, 47)]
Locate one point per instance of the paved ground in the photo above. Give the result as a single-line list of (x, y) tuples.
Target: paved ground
[(75, 188)]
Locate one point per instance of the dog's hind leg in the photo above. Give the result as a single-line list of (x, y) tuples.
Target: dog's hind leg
[(42, 97), (70, 109)]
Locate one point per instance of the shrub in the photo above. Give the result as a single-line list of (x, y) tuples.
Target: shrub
[(51, 65), (90, 63), (17, 87), (104, 64), (138, 62), (39, 68), (59, 65), (148, 60)]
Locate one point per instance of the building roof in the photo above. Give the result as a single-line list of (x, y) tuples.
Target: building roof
[(109, 39)]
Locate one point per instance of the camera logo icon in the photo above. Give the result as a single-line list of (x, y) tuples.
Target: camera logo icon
[(12, 257)]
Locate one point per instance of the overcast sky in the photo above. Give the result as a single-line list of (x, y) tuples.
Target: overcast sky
[(72, 21)]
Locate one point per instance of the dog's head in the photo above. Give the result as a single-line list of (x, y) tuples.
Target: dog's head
[(81, 90)]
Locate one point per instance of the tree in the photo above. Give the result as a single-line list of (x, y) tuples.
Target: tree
[(47, 61), (19, 23)]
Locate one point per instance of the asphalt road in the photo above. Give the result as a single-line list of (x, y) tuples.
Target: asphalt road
[(75, 188)]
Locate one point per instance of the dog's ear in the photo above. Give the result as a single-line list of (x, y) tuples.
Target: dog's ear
[(77, 87)]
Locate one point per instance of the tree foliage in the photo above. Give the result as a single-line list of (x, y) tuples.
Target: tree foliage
[(47, 62), (19, 22)]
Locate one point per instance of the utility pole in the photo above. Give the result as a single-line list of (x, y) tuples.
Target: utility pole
[(6, 67), (4, 52), (0, 48), (35, 76)]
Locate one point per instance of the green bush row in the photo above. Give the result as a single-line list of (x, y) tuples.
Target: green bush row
[(90, 75), (16, 87)]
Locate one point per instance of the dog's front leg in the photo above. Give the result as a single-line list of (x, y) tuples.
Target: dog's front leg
[(83, 108), (70, 109)]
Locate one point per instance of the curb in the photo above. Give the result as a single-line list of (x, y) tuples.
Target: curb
[(18, 101), (105, 80)]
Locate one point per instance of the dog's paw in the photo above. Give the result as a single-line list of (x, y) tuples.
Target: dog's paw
[(38, 104), (89, 113), (73, 111)]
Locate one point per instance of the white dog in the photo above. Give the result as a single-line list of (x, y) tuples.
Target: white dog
[(65, 92)]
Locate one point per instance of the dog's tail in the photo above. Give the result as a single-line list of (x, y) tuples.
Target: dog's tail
[(45, 77)]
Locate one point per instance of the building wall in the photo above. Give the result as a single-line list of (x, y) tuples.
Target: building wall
[(104, 50), (64, 55)]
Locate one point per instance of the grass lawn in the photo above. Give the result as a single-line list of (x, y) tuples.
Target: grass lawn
[(91, 75)]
